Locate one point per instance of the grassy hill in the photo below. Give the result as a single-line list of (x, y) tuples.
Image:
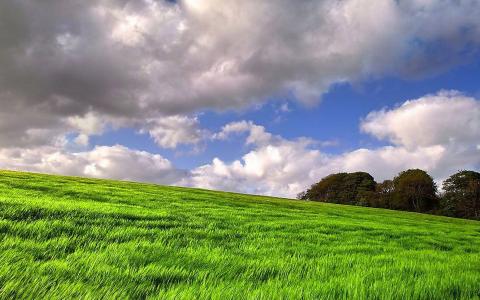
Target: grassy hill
[(67, 237)]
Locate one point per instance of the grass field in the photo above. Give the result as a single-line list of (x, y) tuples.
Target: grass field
[(66, 237)]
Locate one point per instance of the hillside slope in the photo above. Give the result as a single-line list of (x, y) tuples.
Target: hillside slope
[(64, 237)]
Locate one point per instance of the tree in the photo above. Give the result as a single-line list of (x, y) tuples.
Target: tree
[(462, 195), (414, 190), (384, 194), (302, 195), (327, 189), (344, 188), (360, 187)]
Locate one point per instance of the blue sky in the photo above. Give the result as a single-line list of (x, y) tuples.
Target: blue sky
[(281, 94)]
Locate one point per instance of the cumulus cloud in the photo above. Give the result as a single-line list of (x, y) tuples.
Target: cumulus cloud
[(447, 117), (171, 131), (281, 169), (141, 60), (85, 126), (256, 133), (116, 162)]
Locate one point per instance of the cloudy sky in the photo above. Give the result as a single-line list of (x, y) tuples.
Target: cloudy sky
[(262, 97)]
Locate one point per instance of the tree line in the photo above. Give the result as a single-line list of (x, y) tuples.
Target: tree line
[(410, 190)]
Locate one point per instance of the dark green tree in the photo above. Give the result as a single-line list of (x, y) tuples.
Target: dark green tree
[(414, 190), (344, 188), (461, 196), (327, 189)]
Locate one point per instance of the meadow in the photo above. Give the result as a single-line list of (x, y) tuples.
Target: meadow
[(69, 237)]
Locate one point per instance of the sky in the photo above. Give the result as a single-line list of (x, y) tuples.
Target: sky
[(263, 97)]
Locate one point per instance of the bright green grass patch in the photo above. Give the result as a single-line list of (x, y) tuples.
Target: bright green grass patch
[(66, 237)]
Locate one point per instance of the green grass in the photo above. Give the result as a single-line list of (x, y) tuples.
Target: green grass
[(66, 237)]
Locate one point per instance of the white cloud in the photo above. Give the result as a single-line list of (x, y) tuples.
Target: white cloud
[(143, 60), (116, 162), (85, 126), (284, 108), (444, 118), (82, 140), (283, 168), (171, 131), (256, 133)]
